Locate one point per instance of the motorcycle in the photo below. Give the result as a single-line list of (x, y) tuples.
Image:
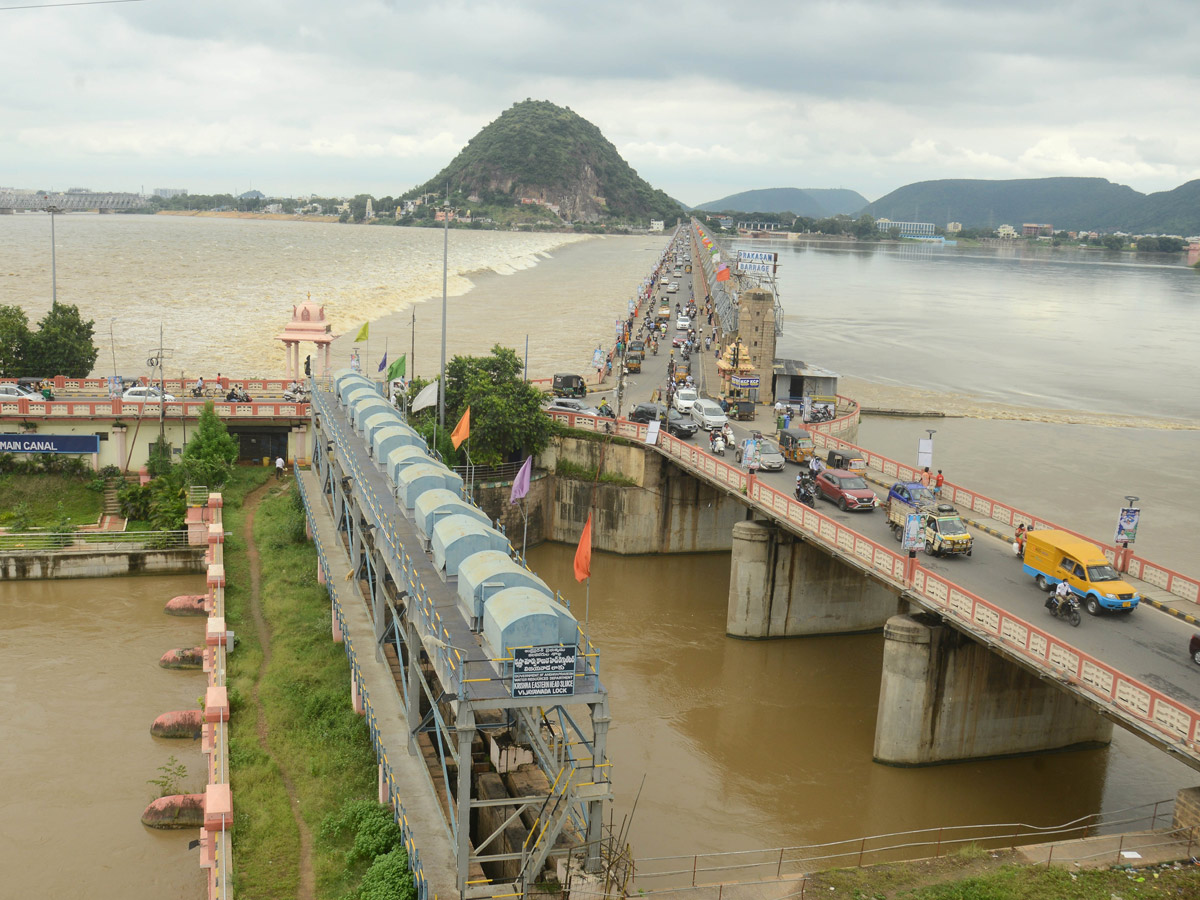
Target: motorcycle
[(717, 444), (806, 491), (1067, 608), (297, 396), (606, 410)]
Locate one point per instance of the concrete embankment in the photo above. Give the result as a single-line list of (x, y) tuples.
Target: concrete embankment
[(183, 658), (180, 723), (26, 566), (187, 605)]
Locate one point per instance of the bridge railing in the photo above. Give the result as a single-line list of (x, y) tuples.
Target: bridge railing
[(1170, 580), (106, 408), (1169, 718)]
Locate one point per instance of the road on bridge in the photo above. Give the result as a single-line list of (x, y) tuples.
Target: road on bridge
[(1148, 644)]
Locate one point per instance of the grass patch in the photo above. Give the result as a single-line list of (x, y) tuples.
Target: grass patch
[(567, 469), (35, 499), (991, 878), (314, 733)]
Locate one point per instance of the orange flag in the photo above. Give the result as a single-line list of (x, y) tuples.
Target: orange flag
[(583, 554), (462, 430)]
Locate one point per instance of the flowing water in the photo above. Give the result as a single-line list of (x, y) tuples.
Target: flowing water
[(742, 744)]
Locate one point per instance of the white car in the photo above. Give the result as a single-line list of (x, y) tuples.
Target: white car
[(150, 394), (707, 414), (684, 398), (679, 273), (683, 323), (673, 287), (571, 405), (15, 392)]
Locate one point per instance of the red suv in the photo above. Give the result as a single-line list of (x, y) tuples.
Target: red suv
[(847, 489)]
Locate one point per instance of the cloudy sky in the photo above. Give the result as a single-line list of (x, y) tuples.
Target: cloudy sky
[(703, 98)]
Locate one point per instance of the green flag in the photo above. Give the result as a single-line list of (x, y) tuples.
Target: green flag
[(396, 369)]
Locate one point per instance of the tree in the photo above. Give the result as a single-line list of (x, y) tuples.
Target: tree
[(62, 345), (1114, 242), (14, 341), (209, 456), (507, 421)]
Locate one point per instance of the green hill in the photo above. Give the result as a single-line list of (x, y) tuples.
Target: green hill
[(537, 151), (1066, 203), (816, 203)]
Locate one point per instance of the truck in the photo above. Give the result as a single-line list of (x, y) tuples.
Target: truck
[(941, 525), (1052, 556)]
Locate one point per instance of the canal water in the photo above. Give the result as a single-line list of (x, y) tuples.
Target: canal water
[(80, 685), (742, 744)]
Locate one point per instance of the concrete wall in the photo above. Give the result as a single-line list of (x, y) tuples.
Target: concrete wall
[(87, 564), (666, 511), (944, 698), (1187, 808), (781, 586), (493, 499)]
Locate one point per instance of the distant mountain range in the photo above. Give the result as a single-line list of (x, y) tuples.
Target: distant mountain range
[(1069, 204), (815, 203)]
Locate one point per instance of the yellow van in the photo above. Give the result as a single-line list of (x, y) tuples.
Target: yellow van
[(1054, 556)]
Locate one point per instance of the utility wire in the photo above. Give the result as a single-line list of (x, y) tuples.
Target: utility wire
[(76, 3)]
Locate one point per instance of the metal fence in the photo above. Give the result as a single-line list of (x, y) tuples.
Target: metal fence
[(671, 873), (93, 541)]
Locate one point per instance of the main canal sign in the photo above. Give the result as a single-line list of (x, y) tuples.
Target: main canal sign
[(543, 671), (49, 443)]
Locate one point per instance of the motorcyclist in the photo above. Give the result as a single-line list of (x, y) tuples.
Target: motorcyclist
[(198, 390), (1019, 540), (1061, 593)]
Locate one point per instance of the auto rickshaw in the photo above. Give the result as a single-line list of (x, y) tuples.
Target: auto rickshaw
[(849, 460), (796, 444), (741, 410), (633, 363), (682, 371), (637, 347), (569, 386)]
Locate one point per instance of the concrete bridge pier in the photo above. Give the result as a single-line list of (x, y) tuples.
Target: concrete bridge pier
[(945, 698), (782, 586)]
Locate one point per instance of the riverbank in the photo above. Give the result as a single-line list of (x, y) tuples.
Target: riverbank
[(234, 214)]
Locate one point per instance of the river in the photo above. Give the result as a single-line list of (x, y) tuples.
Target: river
[(742, 744)]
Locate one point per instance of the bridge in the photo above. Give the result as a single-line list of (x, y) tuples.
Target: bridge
[(68, 201), (973, 667)]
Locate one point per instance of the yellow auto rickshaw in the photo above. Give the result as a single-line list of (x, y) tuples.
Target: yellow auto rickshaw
[(796, 444)]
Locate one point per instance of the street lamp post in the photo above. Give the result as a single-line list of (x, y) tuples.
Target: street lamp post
[(445, 264), (53, 260)]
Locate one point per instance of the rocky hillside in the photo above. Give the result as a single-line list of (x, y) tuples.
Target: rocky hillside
[(547, 154)]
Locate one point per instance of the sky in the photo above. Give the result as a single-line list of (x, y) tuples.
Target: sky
[(703, 99)]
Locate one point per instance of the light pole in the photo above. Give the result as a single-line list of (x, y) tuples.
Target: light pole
[(113, 343), (445, 264), (52, 209)]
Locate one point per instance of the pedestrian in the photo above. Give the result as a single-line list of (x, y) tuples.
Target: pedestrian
[(937, 484), (778, 408), (278, 467), (925, 477)]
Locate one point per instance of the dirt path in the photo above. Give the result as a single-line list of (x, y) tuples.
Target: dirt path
[(305, 890)]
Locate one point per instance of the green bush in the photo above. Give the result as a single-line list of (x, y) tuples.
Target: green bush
[(134, 501), (388, 878)]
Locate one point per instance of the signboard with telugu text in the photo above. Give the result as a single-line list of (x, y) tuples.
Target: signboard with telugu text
[(543, 671)]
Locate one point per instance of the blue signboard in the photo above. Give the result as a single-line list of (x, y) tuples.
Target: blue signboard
[(49, 443)]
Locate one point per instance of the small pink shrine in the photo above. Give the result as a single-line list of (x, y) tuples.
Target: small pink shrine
[(308, 324)]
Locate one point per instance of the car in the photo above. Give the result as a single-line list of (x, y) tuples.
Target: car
[(683, 323), (707, 414), (684, 398), (572, 405), (146, 394), (673, 287), (677, 425), (769, 457), (847, 489), (678, 273), (1194, 648), (16, 392)]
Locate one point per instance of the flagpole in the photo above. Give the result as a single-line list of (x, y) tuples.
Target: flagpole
[(587, 603), (525, 533)]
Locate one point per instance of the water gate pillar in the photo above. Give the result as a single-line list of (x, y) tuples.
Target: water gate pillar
[(945, 698), (783, 586)]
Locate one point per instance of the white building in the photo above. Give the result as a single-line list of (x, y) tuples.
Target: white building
[(657, 225)]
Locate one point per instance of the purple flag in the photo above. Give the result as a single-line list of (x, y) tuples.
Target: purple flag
[(521, 483)]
